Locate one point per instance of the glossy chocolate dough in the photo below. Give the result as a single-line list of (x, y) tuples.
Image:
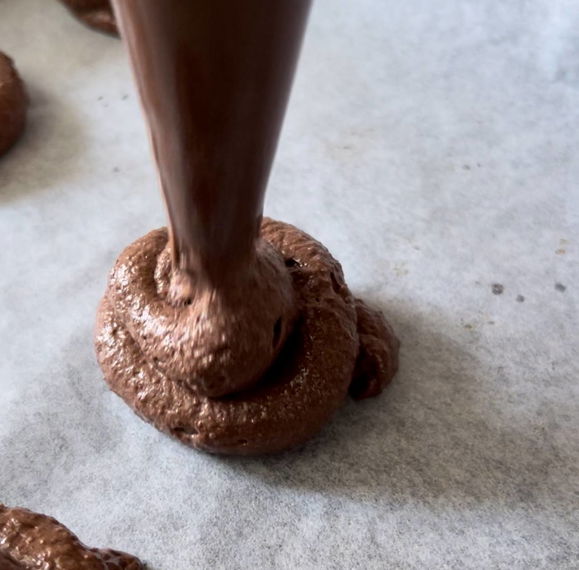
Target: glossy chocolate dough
[(300, 392), (30, 541), (214, 78), (210, 343), (97, 14), (231, 342), (13, 104), (377, 361)]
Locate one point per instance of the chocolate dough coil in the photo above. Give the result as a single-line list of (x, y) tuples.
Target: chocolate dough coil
[(215, 341), (30, 541), (13, 104), (297, 395), (97, 14)]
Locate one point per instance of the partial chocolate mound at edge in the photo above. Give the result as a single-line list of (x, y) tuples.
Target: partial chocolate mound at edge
[(13, 104), (97, 14), (31, 541), (377, 361), (298, 395)]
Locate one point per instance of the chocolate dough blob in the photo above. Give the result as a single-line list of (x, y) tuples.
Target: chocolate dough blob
[(97, 14), (377, 361), (218, 340), (336, 344), (214, 78), (30, 541), (13, 104), (232, 334)]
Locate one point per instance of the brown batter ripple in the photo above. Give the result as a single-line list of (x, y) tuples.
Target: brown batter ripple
[(97, 14), (30, 541), (334, 335), (13, 104)]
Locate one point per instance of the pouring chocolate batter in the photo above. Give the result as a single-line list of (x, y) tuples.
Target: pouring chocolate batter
[(232, 333)]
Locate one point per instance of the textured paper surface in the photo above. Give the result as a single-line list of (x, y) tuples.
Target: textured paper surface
[(433, 146)]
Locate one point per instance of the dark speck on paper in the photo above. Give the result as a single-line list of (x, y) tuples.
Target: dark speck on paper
[(560, 287), (497, 289), (520, 298)]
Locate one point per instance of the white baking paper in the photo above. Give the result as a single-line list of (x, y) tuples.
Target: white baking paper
[(434, 148)]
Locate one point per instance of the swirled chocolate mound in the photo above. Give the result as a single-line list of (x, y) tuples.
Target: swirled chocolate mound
[(13, 104), (97, 14), (155, 359), (30, 541), (216, 339)]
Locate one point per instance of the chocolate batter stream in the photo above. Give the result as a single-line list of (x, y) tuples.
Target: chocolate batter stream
[(232, 333), (214, 77)]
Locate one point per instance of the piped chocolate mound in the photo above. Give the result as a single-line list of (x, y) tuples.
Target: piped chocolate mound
[(13, 104), (97, 14), (30, 541), (232, 334), (294, 398), (217, 340)]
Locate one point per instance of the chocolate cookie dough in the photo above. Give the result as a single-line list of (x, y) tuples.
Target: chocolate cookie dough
[(97, 14), (13, 104), (377, 361), (30, 541), (233, 333), (217, 341), (336, 338)]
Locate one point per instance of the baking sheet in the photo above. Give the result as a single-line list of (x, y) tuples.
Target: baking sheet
[(433, 147)]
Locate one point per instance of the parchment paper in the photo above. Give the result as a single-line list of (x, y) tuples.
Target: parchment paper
[(433, 147)]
